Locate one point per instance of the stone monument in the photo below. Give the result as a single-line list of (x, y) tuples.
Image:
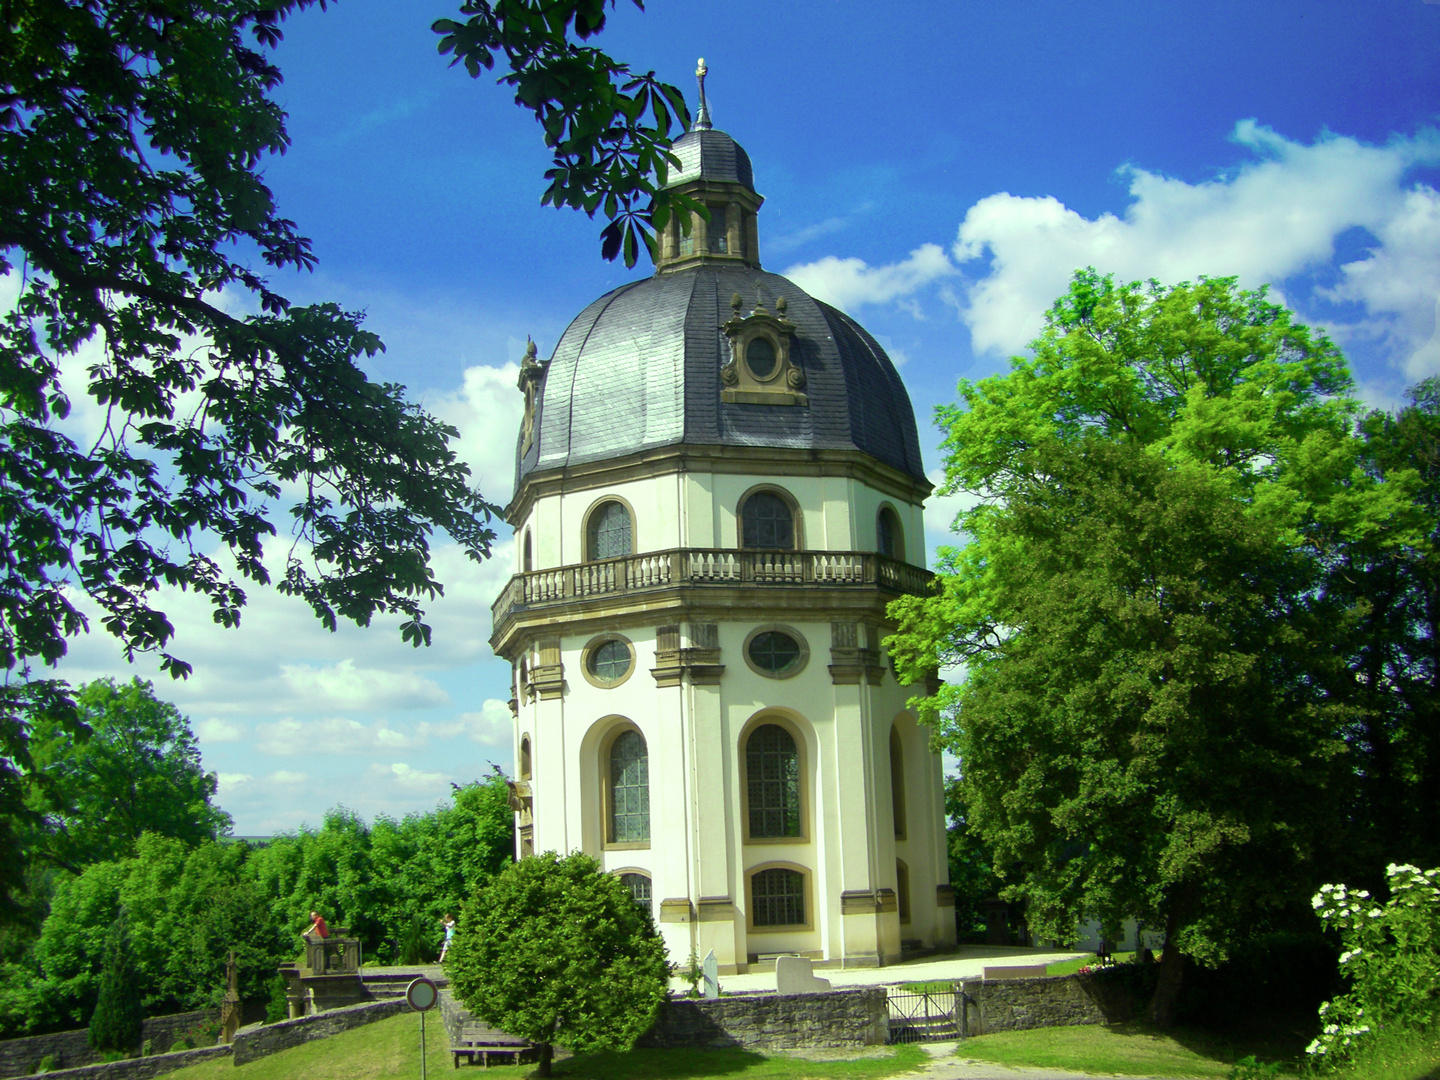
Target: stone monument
[(711, 969), (793, 975), (230, 1007)]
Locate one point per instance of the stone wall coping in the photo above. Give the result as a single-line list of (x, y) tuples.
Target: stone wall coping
[(141, 1068)]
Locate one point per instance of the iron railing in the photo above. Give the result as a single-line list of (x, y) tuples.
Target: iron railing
[(928, 1016)]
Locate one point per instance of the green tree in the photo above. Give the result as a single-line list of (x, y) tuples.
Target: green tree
[(138, 771), (557, 952), (134, 137), (115, 1024), (1141, 722)]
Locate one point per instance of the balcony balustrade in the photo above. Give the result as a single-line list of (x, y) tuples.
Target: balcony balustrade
[(707, 567)]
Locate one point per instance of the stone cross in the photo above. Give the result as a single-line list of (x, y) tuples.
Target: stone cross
[(711, 968)]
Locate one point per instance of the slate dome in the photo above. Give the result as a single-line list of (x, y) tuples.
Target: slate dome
[(640, 368)]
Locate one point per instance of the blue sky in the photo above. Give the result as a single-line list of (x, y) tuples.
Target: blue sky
[(937, 170)]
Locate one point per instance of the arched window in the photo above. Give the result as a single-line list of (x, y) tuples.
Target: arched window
[(772, 779), (528, 558), (889, 536), (525, 758), (777, 897), (767, 523), (639, 886), (629, 789), (897, 782), (608, 533)]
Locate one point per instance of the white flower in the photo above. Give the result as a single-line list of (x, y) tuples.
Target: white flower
[(1332, 1029), (1317, 901)]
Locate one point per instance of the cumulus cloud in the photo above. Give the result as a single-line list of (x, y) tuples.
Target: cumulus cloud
[(491, 726), (346, 685), (1276, 215), (231, 780), (487, 410), (332, 735), (409, 778), (850, 283), (286, 777), (218, 731)]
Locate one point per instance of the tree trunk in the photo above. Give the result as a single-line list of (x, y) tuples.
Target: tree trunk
[(1161, 1010), (547, 1054)]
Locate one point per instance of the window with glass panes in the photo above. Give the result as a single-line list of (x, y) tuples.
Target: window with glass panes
[(610, 660), (774, 652), (629, 789), (719, 237), (768, 523), (609, 531), (778, 897), (639, 886), (772, 779)]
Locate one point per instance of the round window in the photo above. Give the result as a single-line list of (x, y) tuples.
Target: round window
[(610, 660), (774, 652), (760, 357)]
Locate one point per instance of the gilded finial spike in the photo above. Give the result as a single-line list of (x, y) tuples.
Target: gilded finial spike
[(702, 120)]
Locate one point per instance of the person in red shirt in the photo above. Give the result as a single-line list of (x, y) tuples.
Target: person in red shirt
[(317, 925)]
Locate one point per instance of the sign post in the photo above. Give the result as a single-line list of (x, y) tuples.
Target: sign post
[(421, 996)]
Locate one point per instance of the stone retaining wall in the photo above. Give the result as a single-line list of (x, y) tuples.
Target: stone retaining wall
[(69, 1049), (851, 1017), (262, 1041), (1022, 1004), (141, 1068)]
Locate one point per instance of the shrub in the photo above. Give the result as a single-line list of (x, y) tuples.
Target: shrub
[(1392, 959), (115, 1024)]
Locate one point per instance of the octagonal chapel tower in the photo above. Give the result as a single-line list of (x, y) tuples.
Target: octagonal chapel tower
[(718, 490)]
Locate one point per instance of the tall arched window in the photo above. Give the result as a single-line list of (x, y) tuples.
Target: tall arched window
[(528, 559), (767, 523), (889, 536), (607, 536), (629, 789), (525, 758), (897, 781), (772, 779), (639, 886), (777, 897)]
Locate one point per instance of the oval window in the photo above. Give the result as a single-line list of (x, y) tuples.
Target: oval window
[(774, 652), (760, 357), (610, 660)]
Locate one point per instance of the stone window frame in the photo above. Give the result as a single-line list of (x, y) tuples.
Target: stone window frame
[(527, 757), (802, 768), (807, 878), (742, 352), (796, 517), (586, 547), (607, 807), (589, 650), (897, 530), (790, 632)]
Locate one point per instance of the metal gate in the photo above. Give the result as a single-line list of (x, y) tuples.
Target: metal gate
[(923, 1017)]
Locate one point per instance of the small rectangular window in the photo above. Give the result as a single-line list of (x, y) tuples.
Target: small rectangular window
[(719, 238)]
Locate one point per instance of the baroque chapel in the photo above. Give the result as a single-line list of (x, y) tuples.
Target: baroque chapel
[(718, 491)]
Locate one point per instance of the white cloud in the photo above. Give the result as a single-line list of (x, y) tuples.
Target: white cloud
[(487, 410), (218, 731), (941, 510), (285, 776), (1271, 218), (333, 735), (849, 283), (493, 725), (367, 688), (231, 780), (409, 778)]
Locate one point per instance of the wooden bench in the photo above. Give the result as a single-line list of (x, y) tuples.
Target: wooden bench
[(479, 1041)]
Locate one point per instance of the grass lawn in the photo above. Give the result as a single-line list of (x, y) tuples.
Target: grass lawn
[(391, 1049), (1126, 1049), (1070, 967)]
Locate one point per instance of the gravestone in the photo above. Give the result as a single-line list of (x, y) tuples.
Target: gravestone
[(794, 975), (711, 969), (230, 1007)]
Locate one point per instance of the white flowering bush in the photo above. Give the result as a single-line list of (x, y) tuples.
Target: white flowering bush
[(1391, 958)]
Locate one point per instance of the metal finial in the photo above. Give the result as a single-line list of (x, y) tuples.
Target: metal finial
[(702, 121)]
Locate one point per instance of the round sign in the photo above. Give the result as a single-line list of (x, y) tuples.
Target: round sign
[(421, 995)]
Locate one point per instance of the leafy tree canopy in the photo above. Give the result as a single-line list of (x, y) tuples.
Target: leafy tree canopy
[(557, 952), (138, 771), (1141, 723), (135, 224)]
